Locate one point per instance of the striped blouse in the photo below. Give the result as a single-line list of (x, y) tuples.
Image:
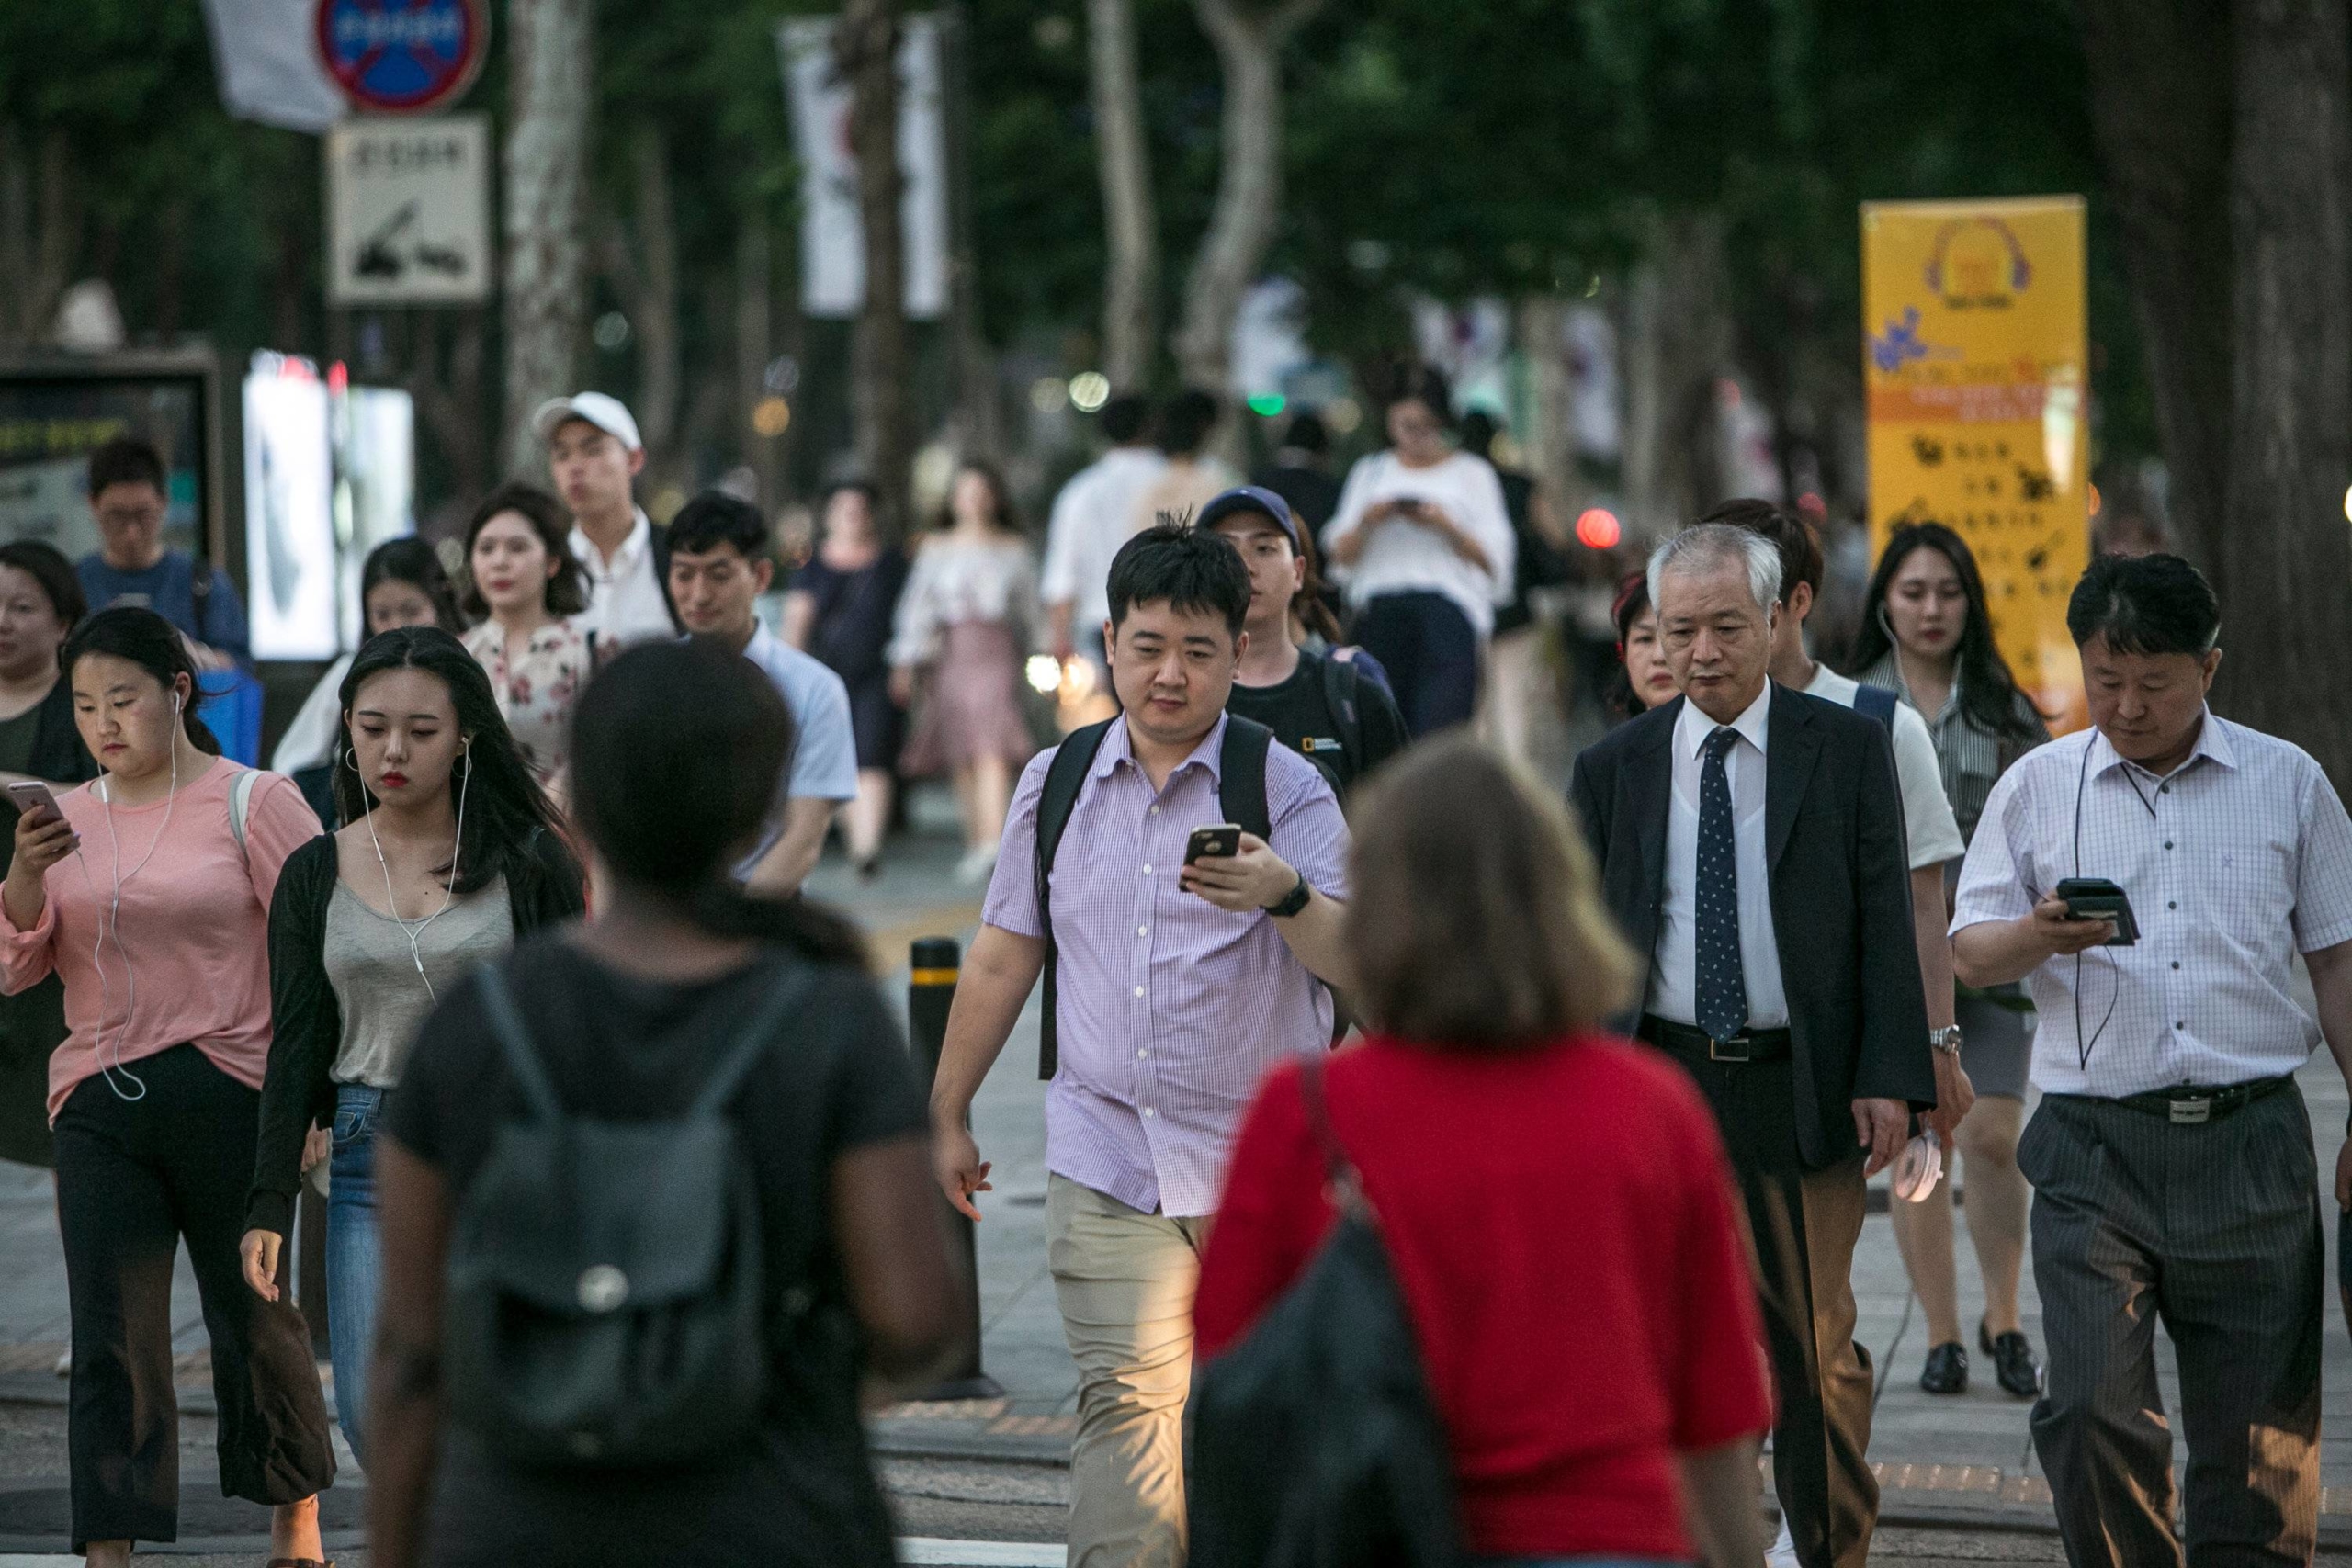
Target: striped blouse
[(1970, 756)]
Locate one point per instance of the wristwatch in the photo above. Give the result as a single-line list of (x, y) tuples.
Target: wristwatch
[(1296, 899), (1946, 1040)]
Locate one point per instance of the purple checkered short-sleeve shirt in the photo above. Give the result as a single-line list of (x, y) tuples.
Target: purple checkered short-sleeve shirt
[(1170, 1009)]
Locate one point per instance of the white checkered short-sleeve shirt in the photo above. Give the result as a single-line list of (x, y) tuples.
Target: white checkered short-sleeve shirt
[(2235, 861)]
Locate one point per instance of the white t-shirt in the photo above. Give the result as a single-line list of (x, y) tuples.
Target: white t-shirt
[(1402, 556), (1093, 516), (625, 600), (1927, 822)]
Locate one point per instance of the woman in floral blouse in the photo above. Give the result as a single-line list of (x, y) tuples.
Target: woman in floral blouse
[(523, 579)]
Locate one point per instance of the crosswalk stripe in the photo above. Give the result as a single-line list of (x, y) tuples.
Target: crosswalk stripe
[(930, 1549)]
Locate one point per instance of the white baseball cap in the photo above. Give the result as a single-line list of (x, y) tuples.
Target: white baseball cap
[(606, 414)]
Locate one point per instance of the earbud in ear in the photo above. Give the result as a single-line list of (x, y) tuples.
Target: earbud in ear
[(177, 701)]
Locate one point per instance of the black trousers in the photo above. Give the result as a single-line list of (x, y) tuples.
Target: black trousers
[(134, 1177), (2215, 1229), (1804, 1224), (1430, 652)]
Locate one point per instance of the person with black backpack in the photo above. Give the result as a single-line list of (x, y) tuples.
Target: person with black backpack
[(1332, 707), (1529, 1340), (655, 1193), (1175, 878)]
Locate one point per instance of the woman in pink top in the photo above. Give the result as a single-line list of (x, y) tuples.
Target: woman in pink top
[(148, 893)]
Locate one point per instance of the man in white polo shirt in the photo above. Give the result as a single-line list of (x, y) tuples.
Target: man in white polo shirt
[(593, 451)]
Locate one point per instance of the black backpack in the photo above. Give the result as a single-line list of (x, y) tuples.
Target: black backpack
[(1315, 1441), (607, 1294), (1241, 795)]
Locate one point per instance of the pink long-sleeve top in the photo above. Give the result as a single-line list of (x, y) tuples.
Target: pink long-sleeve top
[(193, 966)]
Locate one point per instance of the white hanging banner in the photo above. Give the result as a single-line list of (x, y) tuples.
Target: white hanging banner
[(832, 238), (268, 64)]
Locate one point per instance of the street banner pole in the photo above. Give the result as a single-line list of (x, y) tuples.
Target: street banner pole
[(1976, 365), (933, 963)]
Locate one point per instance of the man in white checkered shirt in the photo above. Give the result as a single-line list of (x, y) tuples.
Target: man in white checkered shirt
[(2171, 1156)]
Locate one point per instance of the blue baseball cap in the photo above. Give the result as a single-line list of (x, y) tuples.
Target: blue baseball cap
[(1248, 498)]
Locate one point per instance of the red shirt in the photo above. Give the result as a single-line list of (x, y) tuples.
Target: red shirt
[(1562, 1224)]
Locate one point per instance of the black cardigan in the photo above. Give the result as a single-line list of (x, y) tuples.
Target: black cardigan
[(306, 1021), (58, 756)]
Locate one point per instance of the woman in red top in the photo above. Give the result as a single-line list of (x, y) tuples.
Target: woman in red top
[(1555, 1202)]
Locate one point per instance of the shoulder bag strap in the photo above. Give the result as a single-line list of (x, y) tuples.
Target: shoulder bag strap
[(753, 1043), (1065, 777), (241, 795), (514, 1040), (1341, 681), (1241, 777), (1876, 702), (1344, 1185)]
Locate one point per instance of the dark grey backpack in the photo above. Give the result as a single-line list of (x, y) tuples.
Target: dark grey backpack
[(607, 1301)]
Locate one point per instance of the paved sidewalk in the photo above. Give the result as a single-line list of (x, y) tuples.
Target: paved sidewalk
[(1953, 1461)]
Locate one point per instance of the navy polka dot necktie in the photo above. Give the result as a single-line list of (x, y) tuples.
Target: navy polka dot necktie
[(1721, 984)]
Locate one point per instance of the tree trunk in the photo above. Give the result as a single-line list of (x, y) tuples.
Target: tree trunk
[(450, 401), (2160, 109), (752, 336), (550, 52), (1250, 181), (865, 53), (1677, 335), (640, 261), (2285, 558), (41, 230), (1131, 283)]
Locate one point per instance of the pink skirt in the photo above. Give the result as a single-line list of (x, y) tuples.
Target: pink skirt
[(971, 707)]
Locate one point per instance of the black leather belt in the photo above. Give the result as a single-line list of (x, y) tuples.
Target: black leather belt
[(2189, 1107), (1747, 1045)]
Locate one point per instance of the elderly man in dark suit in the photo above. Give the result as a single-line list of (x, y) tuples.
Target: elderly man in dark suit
[(1751, 844)]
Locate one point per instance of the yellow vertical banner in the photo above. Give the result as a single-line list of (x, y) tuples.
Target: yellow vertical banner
[(1976, 361)]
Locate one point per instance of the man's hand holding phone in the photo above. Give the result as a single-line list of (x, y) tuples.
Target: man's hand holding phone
[(2061, 934), (1247, 876)]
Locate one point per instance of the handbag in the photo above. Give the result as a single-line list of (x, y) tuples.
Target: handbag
[(1315, 1443)]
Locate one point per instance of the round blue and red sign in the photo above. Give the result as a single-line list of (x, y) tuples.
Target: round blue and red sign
[(402, 56)]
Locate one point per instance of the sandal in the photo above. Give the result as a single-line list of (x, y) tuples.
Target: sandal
[(301, 1563)]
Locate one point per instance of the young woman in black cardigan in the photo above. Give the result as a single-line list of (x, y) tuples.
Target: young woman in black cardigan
[(40, 601), (448, 852)]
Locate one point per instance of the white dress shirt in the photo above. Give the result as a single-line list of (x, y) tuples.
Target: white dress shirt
[(625, 601), (1092, 516), (2234, 862), (1931, 832), (1675, 969), (1403, 556)]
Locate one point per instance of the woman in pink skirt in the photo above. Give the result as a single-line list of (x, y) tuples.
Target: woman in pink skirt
[(965, 623)]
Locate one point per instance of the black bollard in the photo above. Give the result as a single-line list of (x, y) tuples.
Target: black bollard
[(931, 994)]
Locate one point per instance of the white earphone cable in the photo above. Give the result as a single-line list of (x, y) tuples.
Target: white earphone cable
[(415, 933), (111, 922)]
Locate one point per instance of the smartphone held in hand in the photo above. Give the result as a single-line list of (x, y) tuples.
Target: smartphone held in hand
[(31, 795), (1220, 842)]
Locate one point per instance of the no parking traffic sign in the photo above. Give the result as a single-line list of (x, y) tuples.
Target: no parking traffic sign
[(402, 56)]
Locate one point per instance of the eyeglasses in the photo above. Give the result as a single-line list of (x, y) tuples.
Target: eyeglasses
[(129, 516)]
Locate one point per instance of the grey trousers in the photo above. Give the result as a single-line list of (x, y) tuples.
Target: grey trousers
[(2214, 1228)]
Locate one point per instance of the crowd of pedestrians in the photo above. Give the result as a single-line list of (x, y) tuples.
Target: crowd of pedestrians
[(629, 1188)]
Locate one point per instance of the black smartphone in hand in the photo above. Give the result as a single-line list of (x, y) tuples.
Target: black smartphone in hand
[(1221, 843), (2096, 898)]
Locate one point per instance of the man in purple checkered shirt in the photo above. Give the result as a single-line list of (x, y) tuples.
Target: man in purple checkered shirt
[(1180, 986)]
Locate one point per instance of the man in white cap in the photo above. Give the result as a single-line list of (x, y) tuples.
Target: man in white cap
[(593, 451)]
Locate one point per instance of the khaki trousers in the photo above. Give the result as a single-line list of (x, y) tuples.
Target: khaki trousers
[(1124, 1280)]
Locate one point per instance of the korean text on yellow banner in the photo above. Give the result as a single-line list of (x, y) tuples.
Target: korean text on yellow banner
[(1975, 360)]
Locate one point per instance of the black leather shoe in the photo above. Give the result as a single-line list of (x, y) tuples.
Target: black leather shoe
[(1947, 1369), (2013, 1364)]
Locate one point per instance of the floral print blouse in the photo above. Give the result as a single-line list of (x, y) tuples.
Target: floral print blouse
[(535, 691)]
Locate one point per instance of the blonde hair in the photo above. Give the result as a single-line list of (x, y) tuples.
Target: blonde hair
[(1473, 915)]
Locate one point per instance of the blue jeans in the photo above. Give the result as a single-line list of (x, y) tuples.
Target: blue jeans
[(354, 1256), (1574, 1562), (1430, 652)]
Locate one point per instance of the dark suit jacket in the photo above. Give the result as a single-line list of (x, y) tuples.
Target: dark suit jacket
[(1842, 895)]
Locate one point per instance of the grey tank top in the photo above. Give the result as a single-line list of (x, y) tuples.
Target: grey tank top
[(383, 998)]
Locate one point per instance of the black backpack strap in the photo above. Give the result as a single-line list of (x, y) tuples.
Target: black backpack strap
[(1340, 681), (1241, 775), (1065, 776), (515, 1039), (752, 1044), (1877, 703)]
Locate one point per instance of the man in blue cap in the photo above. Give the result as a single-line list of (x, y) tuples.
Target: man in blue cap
[(1333, 704)]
